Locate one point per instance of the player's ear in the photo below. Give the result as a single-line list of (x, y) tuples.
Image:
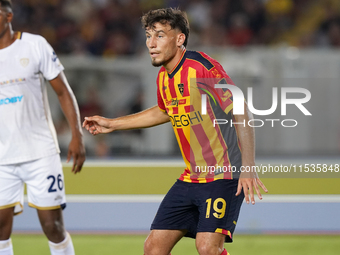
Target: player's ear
[(180, 39), (9, 16)]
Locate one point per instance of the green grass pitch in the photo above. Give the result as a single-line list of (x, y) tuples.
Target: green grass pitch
[(133, 244), (158, 180)]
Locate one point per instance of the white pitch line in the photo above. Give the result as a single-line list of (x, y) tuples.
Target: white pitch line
[(132, 163), (300, 199), (111, 198), (158, 199), (114, 198), (178, 162)]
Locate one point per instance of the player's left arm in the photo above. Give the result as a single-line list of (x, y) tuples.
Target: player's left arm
[(249, 180), (68, 102)]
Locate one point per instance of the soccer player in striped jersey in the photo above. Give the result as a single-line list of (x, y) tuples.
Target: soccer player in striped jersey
[(205, 201), (29, 151)]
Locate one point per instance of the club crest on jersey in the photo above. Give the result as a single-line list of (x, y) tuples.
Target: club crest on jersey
[(181, 88), (24, 62)]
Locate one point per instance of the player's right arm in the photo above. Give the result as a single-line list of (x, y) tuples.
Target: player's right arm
[(144, 119)]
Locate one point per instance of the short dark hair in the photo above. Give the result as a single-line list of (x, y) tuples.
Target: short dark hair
[(175, 17), (6, 3)]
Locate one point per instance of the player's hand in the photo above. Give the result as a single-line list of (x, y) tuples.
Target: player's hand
[(248, 182), (76, 150), (97, 125)]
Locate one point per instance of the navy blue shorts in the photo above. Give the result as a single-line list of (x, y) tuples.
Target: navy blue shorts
[(200, 207)]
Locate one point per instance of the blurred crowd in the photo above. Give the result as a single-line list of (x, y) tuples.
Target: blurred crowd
[(112, 27)]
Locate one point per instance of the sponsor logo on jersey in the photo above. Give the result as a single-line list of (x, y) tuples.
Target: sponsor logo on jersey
[(216, 73), (24, 62), (12, 81), (175, 102), (54, 57), (184, 120), (11, 100)]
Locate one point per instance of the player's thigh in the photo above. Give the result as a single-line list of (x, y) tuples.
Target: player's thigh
[(52, 224), (219, 207), (162, 241), (11, 188), (51, 219), (55, 215), (177, 210), (45, 183), (6, 222)]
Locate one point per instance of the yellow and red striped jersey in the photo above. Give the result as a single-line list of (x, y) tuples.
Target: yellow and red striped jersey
[(211, 151)]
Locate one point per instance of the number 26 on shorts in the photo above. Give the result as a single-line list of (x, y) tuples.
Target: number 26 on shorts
[(54, 185)]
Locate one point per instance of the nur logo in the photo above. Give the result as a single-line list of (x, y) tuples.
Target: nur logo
[(238, 100), (238, 104)]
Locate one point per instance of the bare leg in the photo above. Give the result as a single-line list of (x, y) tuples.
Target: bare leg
[(210, 243), (6, 222), (161, 242), (52, 224)]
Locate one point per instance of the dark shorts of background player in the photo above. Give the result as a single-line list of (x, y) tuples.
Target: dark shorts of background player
[(186, 207)]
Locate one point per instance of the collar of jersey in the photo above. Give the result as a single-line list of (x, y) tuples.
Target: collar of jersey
[(19, 35), (178, 65), (12, 44)]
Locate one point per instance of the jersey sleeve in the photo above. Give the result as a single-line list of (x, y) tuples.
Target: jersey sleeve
[(224, 96), (50, 65)]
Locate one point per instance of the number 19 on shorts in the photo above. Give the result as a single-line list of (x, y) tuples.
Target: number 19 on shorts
[(219, 206)]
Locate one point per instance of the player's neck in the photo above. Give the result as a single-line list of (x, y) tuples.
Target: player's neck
[(174, 61), (7, 38)]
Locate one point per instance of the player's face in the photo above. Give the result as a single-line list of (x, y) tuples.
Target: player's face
[(163, 43)]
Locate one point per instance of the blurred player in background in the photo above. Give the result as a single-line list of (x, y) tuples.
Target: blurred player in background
[(202, 204), (29, 151)]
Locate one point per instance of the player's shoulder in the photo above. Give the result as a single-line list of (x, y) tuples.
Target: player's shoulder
[(208, 63), (200, 59), (161, 70), (32, 38)]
